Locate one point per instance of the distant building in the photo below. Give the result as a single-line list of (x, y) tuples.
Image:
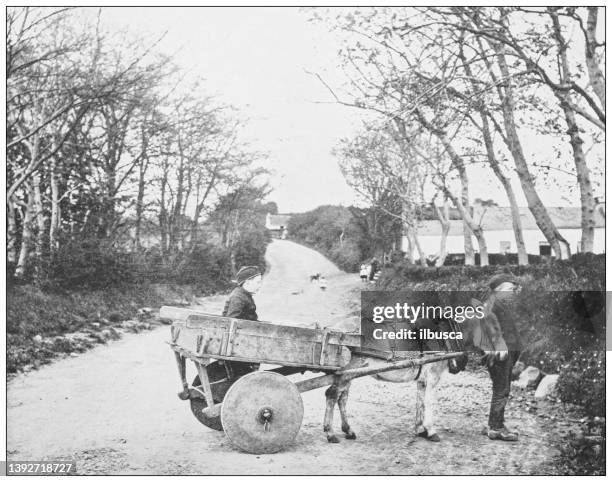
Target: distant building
[(497, 227), (277, 224)]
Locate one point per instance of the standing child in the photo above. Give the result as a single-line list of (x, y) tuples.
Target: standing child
[(503, 288), (363, 273), (322, 283)]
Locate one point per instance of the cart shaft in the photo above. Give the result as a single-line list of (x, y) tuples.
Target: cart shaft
[(349, 374)]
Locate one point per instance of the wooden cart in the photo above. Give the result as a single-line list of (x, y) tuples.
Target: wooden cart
[(261, 410)]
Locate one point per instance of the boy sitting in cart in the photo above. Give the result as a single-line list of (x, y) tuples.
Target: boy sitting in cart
[(240, 303)]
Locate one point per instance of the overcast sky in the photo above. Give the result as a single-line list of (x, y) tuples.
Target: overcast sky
[(258, 59)]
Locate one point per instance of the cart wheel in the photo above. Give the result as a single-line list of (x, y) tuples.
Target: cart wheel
[(262, 412), (199, 404), (216, 373)]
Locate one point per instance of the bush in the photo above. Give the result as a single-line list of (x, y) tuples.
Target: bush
[(583, 382), (206, 266), (251, 248), (495, 259), (581, 272), (87, 264), (334, 232), (347, 256)]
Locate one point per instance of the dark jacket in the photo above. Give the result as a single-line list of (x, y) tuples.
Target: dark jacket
[(506, 315), (240, 304)]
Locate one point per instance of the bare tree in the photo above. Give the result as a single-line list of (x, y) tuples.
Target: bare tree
[(538, 62)]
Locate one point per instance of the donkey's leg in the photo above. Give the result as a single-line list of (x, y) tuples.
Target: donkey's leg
[(331, 398), (342, 399), (420, 403), (426, 400), (431, 399)]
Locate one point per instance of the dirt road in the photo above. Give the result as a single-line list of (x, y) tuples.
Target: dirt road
[(114, 409)]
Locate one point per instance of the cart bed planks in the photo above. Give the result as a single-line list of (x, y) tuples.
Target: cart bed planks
[(203, 335)]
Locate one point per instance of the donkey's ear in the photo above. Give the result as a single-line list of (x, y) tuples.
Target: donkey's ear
[(476, 303)]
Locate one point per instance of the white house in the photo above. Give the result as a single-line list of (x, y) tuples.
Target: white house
[(497, 226), (277, 224)]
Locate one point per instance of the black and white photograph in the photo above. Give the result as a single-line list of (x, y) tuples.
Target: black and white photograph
[(305, 240)]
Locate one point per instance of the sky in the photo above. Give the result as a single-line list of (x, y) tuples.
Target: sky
[(259, 60)]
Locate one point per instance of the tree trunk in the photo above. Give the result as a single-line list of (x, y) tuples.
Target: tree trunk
[(482, 246), (587, 201), (163, 216), (444, 218), (468, 221), (407, 224), (26, 236), (107, 220), (39, 216), (41, 231), (177, 222), (143, 166), (410, 246), (11, 232), (422, 257), (200, 205), (56, 214), (458, 164), (596, 76), (193, 238), (468, 246), (536, 206), (233, 262), (523, 258), (140, 201)]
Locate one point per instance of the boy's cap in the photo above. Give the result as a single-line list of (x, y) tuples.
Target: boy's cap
[(246, 273), (503, 278)]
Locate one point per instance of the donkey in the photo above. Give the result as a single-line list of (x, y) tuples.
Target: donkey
[(483, 335)]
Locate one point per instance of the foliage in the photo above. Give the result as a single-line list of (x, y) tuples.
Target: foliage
[(88, 264), (582, 271), (250, 249), (338, 232), (585, 453), (495, 259), (583, 381), (239, 220)]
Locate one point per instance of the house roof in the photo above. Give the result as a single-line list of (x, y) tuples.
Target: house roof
[(498, 218), (275, 221)]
